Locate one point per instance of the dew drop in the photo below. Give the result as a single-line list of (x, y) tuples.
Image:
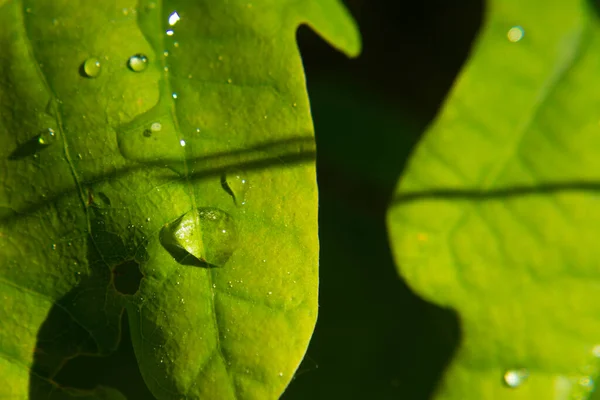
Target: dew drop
[(166, 53), (54, 246), (515, 34), (182, 143), (137, 62), (156, 127), (229, 80), (236, 184), (281, 374), (91, 67), (170, 32), (174, 18), (514, 378), (47, 137), (175, 44), (197, 130), (203, 237), (174, 95)]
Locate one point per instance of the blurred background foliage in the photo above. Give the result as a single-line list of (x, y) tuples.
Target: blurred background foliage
[(374, 338)]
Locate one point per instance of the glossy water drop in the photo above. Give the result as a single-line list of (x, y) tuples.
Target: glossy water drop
[(174, 18), (54, 246), (91, 67), (236, 184), (47, 137), (515, 377), (156, 127), (202, 237), (515, 34), (170, 32), (174, 95), (182, 142), (137, 62)]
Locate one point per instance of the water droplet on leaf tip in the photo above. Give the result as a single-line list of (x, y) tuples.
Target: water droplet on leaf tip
[(170, 32), (137, 62), (91, 67), (515, 377), (174, 18)]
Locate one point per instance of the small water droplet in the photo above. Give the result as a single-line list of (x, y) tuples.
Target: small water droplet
[(147, 219), (270, 293), (515, 34), (166, 69), (182, 142), (91, 67), (170, 32), (236, 184), (515, 377), (137, 62), (174, 95), (197, 237), (214, 286), (197, 130), (175, 44), (229, 80), (182, 301), (54, 246), (177, 283), (47, 137), (156, 127), (166, 53), (174, 18), (281, 374), (28, 10)]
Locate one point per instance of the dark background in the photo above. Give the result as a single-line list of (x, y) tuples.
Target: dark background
[(374, 338)]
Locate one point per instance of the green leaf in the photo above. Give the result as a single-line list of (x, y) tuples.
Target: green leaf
[(497, 213), (158, 158)]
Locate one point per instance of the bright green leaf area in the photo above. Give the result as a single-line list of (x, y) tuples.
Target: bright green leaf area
[(158, 158), (498, 211)]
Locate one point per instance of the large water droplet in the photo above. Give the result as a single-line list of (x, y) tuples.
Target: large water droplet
[(174, 18), (91, 67), (202, 237), (515, 377), (137, 62), (236, 184)]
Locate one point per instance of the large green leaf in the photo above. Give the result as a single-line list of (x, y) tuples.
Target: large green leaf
[(498, 214), (171, 139)]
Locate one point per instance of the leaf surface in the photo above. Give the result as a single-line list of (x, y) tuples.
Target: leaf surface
[(497, 213), (158, 157)]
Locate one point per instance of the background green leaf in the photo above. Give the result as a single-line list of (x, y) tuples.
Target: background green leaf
[(100, 155), (496, 215)]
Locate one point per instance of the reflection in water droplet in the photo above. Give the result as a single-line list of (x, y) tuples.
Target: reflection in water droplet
[(174, 18), (236, 184), (174, 95), (202, 237), (137, 62), (47, 137), (515, 377), (515, 34), (170, 32), (182, 142), (91, 67)]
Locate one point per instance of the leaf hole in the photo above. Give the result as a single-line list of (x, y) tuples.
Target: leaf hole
[(127, 277)]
